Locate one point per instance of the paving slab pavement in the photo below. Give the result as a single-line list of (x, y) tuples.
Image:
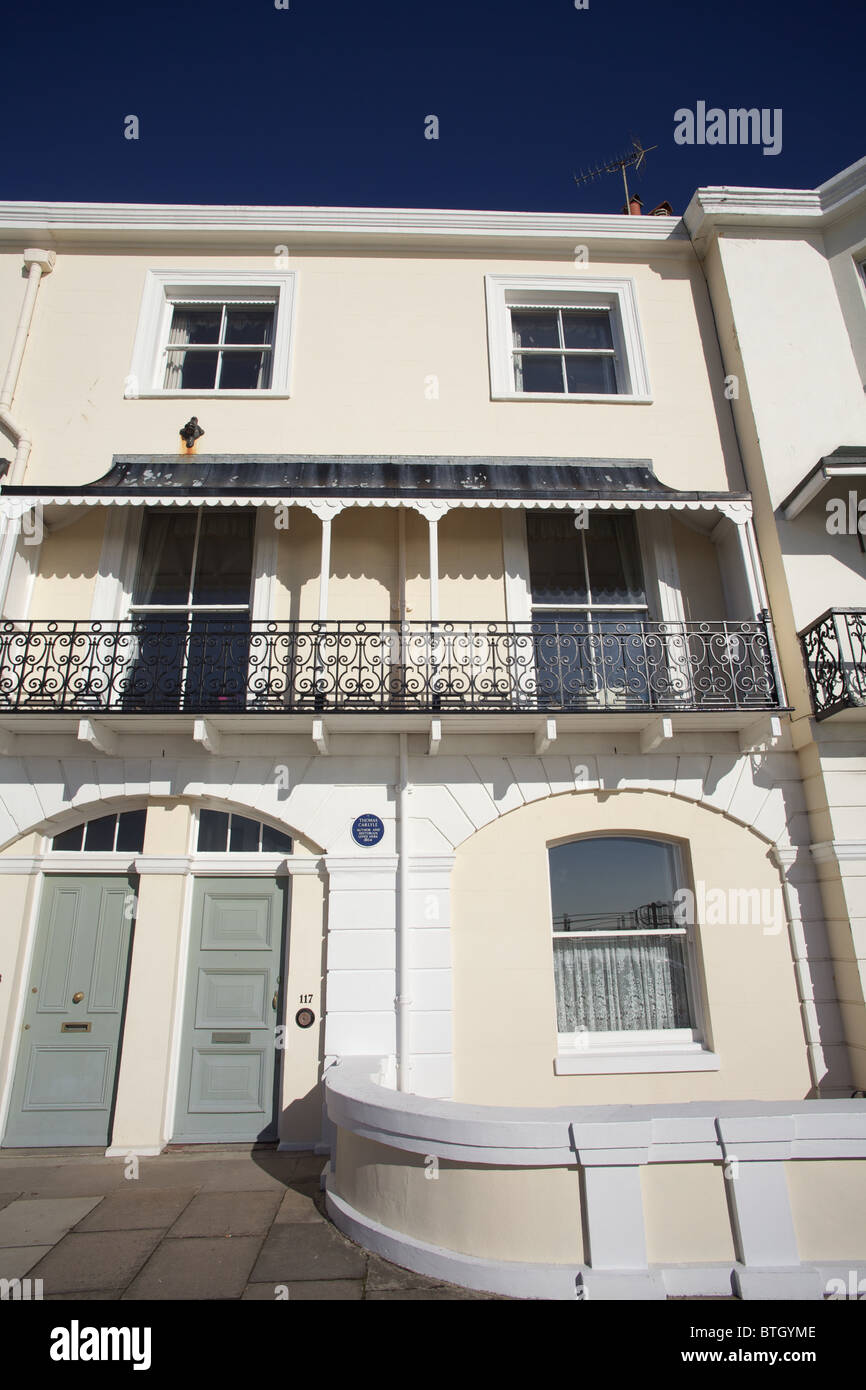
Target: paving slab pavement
[(211, 1222)]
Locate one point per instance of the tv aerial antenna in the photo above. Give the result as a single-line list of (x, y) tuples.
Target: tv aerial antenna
[(633, 160)]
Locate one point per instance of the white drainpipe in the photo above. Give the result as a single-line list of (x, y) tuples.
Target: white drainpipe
[(38, 263), (404, 1002)]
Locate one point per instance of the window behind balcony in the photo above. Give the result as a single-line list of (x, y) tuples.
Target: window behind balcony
[(191, 608), (589, 611)]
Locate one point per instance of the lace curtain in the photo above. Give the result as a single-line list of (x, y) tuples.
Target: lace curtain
[(614, 985)]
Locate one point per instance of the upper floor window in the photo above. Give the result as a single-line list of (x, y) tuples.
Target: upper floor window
[(123, 833), (563, 350), (225, 346), (555, 337), (213, 333)]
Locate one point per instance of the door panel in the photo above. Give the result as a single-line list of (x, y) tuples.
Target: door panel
[(65, 1074), (228, 1072)]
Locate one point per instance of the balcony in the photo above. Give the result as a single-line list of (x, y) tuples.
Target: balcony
[(227, 666), (835, 651)]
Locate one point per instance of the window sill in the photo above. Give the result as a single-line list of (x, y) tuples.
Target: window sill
[(608, 397), (214, 395), (596, 1062)]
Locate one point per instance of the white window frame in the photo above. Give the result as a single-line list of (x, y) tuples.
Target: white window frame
[(639, 1050), (618, 296), (164, 288)]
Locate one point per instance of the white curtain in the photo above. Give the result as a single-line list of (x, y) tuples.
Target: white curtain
[(178, 337), (612, 985)]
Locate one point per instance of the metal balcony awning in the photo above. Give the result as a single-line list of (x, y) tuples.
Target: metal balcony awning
[(431, 485), (849, 462)]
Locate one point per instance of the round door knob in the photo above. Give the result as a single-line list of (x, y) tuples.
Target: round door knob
[(77, 997)]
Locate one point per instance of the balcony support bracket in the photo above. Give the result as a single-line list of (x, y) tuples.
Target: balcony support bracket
[(435, 737), (764, 733), (545, 735), (321, 738), (658, 731), (208, 736), (98, 736)]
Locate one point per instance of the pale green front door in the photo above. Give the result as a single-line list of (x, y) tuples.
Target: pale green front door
[(69, 1043), (228, 1074)]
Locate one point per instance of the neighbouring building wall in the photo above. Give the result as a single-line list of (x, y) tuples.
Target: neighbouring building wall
[(805, 392), (846, 248)]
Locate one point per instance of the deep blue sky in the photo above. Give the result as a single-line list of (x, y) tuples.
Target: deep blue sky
[(324, 103)]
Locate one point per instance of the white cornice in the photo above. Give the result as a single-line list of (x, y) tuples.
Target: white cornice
[(718, 206), (285, 225), (210, 865), (830, 851)]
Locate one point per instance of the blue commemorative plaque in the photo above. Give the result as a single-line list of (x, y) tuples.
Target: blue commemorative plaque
[(367, 830)]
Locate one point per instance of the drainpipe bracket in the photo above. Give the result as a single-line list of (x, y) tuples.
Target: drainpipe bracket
[(34, 255)]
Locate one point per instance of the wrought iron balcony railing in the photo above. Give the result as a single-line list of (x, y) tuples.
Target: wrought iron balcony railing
[(212, 665), (835, 651)]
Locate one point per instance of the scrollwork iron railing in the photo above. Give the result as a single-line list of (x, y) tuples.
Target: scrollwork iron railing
[(226, 665), (835, 651)]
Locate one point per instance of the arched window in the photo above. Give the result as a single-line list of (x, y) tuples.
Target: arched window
[(221, 832), (621, 956), (123, 833)]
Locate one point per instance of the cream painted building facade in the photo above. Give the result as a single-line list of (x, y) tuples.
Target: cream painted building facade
[(404, 766), (801, 420)]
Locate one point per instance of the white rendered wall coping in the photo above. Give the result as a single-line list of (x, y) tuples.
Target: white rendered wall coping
[(530, 1136)]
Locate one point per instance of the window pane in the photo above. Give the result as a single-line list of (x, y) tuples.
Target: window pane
[(69, 839), (606, 880), (167, 544), (587, 329), (275, 841), (541, 373), (614, 560), (195, 325), (224, 565), (197, 371), (213, 830), (611, 986), (243, 371), (244, 835), (607, 885), (245, 325), (99, 835), (130, 831), (532, 329), (591, 376), (555, 559)]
